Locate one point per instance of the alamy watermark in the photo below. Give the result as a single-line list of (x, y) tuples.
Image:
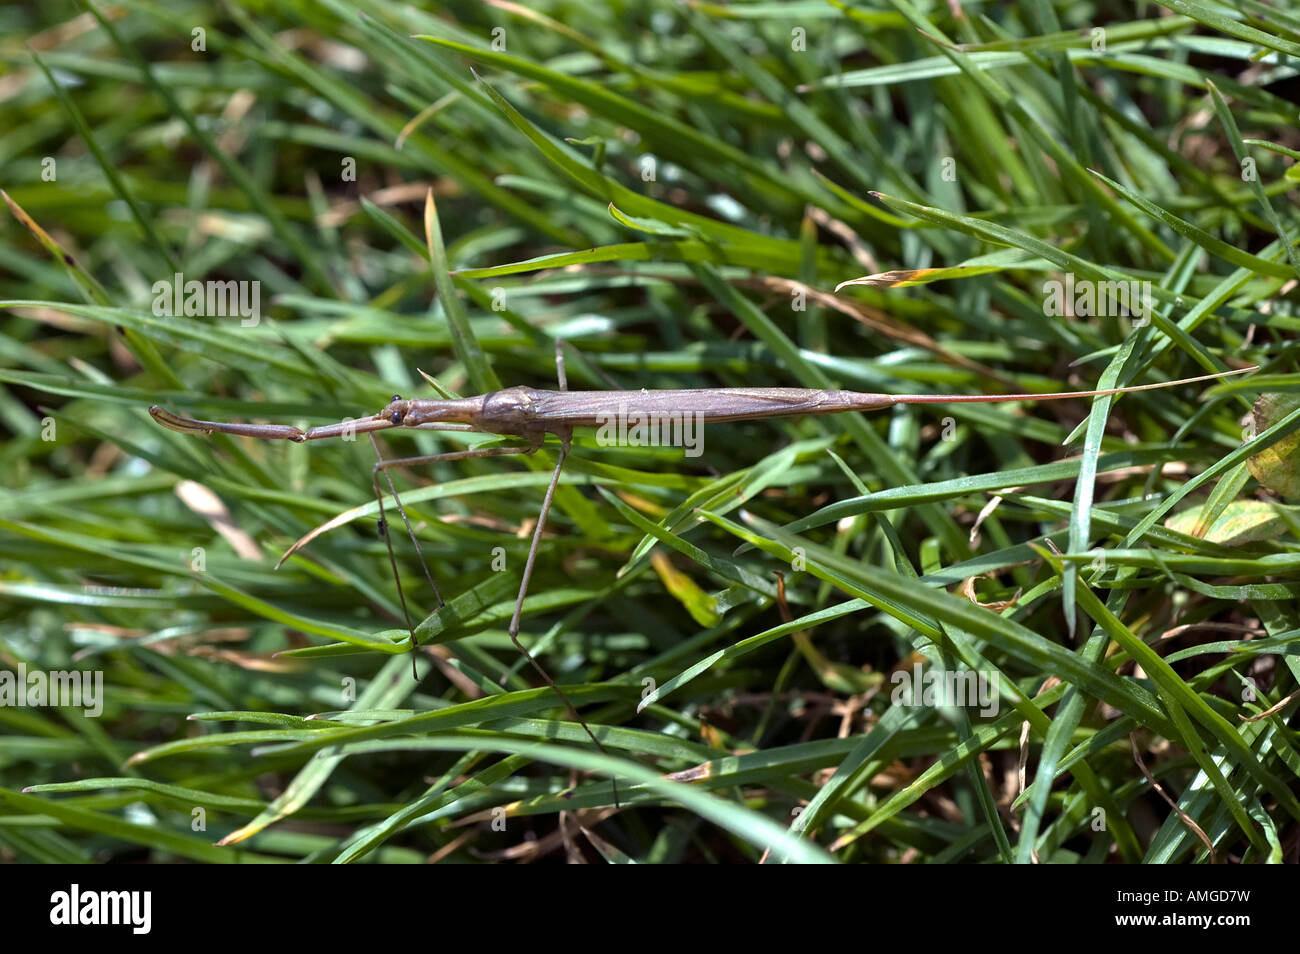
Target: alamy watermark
[(1085, 298), (74, 689), (75, 906), (651, 429), (946, 687), (212, 299)]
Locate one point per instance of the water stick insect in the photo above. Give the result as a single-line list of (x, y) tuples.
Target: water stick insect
[(530, 414)]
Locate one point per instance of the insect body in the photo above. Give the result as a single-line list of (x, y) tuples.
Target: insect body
[(530, 413)]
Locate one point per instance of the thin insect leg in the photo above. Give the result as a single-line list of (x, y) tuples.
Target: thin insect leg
[(564, 386), (593, 369), (565, 440), (559, 364), (384, 465)]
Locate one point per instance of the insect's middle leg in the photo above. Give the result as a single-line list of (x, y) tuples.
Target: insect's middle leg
[(566, 439), (383, 466)]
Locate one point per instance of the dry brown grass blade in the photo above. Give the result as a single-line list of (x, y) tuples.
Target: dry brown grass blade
[(1182, 815)]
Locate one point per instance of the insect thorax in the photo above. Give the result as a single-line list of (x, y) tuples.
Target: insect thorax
[(510, 411)]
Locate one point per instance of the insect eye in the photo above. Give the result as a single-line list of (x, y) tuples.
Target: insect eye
[(397, 417), (397, 397)]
